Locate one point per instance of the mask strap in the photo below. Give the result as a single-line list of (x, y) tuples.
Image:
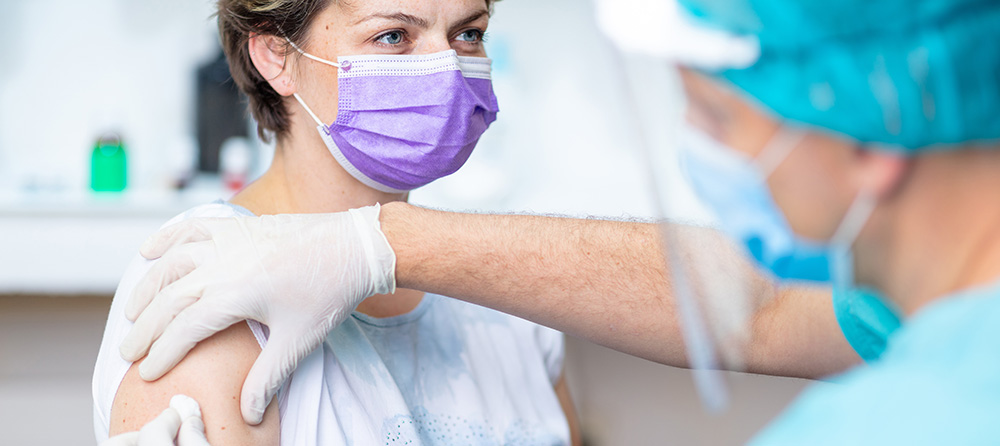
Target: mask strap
[(854, 220), (777, 149), (308, 110), (842, 260), (310, 56)]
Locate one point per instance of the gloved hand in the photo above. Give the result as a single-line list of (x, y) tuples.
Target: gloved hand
[(178, 425), (301, 275)]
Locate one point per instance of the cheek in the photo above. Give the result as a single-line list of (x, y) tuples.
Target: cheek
[(808, 189), (329, 91), (317, 82), (318, 86), (481, 52)]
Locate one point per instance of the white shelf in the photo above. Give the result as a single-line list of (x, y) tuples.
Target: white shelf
[(80, 243)]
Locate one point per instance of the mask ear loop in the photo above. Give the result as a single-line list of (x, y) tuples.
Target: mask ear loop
[(777, 149), (308, 110), (296, 95), (310, 56), (854, 220), (842, 241), (842, 265)]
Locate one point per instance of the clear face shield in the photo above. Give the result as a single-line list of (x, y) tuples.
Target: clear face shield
[(716, 289)]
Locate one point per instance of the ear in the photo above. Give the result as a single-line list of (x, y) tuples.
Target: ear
[(880, 171), (269, 56)]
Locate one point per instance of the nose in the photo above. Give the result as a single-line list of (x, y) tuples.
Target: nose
[(433, 42)]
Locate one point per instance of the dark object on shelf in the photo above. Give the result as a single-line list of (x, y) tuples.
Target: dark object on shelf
[(221, 112)]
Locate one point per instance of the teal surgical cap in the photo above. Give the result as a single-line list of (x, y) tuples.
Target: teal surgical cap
[(913, 75)]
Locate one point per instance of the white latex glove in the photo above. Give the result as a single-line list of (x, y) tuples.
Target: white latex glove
[(301, 275), (178, 425)]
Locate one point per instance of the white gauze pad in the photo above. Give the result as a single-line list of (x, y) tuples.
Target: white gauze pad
[(185, 406)]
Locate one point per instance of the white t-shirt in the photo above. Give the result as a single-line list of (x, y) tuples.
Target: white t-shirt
[(446, 373)]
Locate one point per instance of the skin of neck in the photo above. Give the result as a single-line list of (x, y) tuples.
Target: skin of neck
[(304, 178), (939, 233)]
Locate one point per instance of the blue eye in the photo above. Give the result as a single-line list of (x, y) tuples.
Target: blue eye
[(391, 38), (472, 35)]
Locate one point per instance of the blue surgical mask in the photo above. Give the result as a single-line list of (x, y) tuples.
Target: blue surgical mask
[(734, 186)]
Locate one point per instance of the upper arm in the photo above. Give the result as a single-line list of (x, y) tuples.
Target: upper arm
[(213, 374), (566, 401), (553, 347), (797, 334)]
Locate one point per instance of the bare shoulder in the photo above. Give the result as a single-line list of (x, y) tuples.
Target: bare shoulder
[(212, 374)]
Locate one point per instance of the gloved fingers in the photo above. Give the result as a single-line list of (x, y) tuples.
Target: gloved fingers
[(129, 439), (161, 431), (187, 231), (276, 362), (175, 264), (191, 326), (158, 315), (192, 433)]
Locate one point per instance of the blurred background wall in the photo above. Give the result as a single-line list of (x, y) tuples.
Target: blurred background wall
[(569, 141)]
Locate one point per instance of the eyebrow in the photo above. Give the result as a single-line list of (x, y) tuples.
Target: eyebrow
[(399, 17), (419, 22), (471, 18)]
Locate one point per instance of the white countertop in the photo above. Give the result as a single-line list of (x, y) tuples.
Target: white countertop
[(80, 243)]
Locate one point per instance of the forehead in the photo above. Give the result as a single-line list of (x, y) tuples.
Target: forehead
[(425, 8)]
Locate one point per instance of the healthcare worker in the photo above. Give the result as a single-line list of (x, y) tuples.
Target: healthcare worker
[(859, 147), (863, 148)]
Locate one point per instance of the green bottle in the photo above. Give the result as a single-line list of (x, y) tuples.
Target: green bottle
[(108, 165)]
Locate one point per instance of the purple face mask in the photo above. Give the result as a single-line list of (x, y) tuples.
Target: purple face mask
[(404, 121)]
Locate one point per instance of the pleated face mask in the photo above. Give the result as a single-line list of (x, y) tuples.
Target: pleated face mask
[(734, 186), (406, 120)]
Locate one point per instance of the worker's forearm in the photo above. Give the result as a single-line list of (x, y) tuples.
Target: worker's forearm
[(600, 280), (797, 334), (606, 281)]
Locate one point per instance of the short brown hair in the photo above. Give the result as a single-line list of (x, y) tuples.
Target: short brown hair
[(238, 19)]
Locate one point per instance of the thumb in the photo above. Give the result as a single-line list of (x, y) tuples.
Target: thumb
[(161, 431), (187, 231), (192, 433), (275, 364)]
